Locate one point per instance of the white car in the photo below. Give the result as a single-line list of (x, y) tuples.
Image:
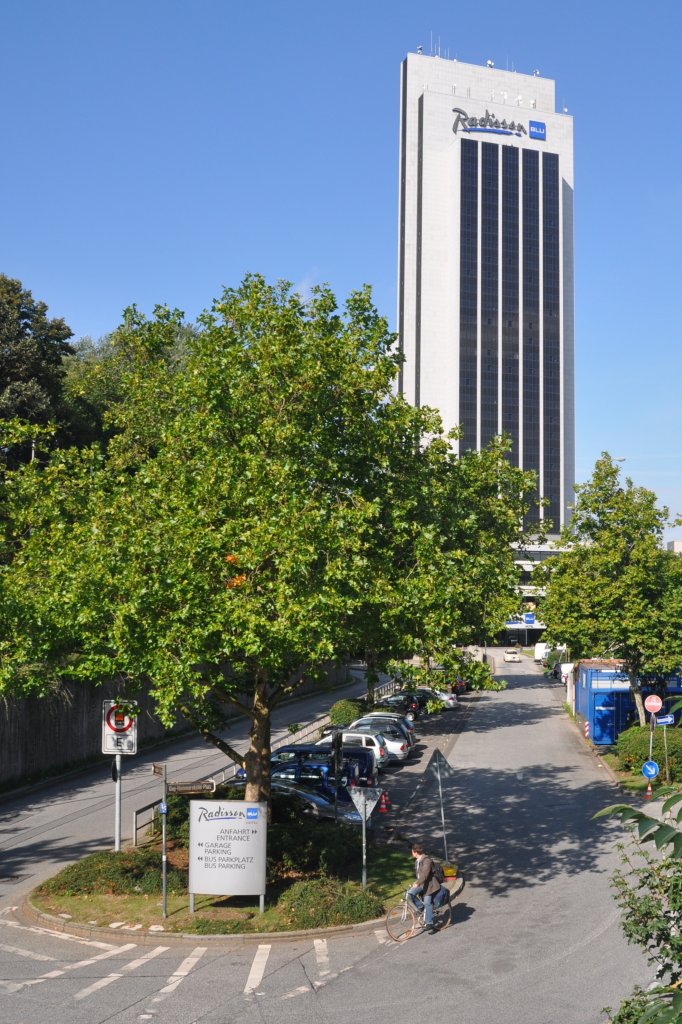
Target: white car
[(397, 744), (374, 740), (511, 654), (449, 699), (378, 719)]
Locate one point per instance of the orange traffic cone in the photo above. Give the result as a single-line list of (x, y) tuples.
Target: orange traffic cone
[(383, 803), (648, 792)]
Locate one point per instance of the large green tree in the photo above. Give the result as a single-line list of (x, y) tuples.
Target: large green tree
[(263, 505), (613, 592)]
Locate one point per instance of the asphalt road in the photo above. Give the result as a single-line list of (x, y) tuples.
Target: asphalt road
[(536, 938)]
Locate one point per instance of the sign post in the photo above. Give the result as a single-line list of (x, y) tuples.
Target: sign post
[(119, 736), (365, 799)]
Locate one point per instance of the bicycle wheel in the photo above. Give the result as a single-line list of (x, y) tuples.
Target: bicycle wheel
[(401, 922), (442, 916)]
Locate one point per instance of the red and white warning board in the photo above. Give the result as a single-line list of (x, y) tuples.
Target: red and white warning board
[(119, 729)]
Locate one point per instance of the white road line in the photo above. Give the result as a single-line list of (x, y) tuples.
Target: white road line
[(322, 956), (132, 966), (24, 952), (51, 975), (64, 936), (257, 969), (183, 970)]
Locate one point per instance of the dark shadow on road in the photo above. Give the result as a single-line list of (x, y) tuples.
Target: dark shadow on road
[(519, 830)]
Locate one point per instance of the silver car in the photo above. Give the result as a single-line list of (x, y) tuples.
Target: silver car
[(397, 743), (376, 720)]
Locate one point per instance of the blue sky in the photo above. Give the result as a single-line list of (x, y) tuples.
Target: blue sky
[(157, 150)]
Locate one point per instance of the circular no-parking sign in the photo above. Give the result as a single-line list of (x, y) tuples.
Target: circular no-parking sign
[(119, 729), (653, 703)]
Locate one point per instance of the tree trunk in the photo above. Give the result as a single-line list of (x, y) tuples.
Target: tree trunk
[(257, 760), (636, 691), (371, 675)]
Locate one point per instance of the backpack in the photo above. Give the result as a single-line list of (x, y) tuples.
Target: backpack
[(437, 872)]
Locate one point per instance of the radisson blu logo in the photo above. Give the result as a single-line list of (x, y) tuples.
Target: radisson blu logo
[(493, 126)]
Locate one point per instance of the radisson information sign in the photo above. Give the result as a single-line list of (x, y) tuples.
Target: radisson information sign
[(227, 846)]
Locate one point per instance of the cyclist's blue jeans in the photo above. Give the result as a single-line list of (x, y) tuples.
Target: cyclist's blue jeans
[(417, 901)]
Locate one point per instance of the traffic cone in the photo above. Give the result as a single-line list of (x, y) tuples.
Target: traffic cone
[(383, 803), (648, 792)]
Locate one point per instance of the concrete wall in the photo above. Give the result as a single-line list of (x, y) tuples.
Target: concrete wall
[(40, 736)]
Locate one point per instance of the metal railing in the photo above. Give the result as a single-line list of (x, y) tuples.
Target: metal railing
[(146, 820)]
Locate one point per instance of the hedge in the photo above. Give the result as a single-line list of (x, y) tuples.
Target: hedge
[(632, 748)]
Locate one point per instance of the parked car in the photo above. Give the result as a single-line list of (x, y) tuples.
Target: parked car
[(397, 744), (448, 699), (399, 702), (394, 717), (511, 654), (372, 740), (289, 800), (363, 757)]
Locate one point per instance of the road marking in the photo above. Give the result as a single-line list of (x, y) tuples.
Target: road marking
[(183, 970), (322, 955), (381, 936), (51, 975), (64, 936), (132, 966), (25, 952), (257, 969)]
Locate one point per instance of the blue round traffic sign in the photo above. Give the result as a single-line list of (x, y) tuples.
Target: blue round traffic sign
[(650, 769), (163, 808)]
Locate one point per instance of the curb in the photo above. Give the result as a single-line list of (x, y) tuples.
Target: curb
[(30, 914)]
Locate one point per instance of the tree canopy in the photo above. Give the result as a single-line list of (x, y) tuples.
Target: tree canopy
[(613, 592), (263, 505)]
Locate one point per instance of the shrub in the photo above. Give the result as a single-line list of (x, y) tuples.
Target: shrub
[(127, 872), (298, 847), (344, 712), (632, 748), (631, 1010), (324, 902)]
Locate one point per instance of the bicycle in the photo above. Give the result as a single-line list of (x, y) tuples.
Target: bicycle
[(404, 922)]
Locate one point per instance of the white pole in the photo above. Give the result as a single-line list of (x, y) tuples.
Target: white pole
[(442, 811), (363, 812), (117, 807)]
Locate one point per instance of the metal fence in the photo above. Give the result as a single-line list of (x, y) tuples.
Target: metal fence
[(147, 821)]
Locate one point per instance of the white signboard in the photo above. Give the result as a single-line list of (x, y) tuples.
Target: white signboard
[(119, 730), (227, 845), (365, 799)]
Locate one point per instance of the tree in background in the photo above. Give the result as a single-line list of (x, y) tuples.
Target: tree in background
[(32, 350), (614, 592)]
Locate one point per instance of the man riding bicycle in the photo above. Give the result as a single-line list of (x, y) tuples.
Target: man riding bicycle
[(425, 887)]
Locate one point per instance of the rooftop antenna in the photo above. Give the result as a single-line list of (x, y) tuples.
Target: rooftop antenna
[(431, 47), (536, 72), (420, 49), (490, 63)]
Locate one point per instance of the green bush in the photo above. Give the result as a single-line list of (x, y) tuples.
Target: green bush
[(298, 847), (324, 902), (630, 1010), (632, 748), (344, 712), (125, 873)]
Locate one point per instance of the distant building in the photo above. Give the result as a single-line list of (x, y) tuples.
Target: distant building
[(485, 277), (675, 546)]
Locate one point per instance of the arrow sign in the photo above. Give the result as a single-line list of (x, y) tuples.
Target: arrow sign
[(649, 769), (665, 720), (187, 788)]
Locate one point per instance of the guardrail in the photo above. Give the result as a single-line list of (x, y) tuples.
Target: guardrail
[(146, 820)]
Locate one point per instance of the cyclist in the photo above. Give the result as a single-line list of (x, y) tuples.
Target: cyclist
[(425, 887)]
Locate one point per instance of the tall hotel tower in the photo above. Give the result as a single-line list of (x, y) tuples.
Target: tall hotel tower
[(485, 289)]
